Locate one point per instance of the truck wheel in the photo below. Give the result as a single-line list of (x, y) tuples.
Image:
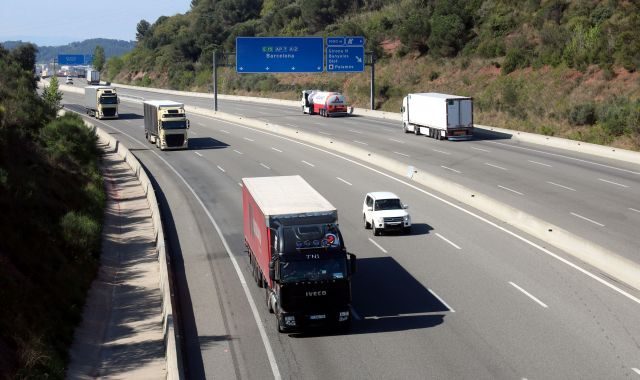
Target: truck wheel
[(260, 279), (367, 225), (157, 142), (279, 325), (416, 130)]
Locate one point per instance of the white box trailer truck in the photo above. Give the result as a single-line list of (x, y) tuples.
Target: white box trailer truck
[(93, 76), (441, 116), (166, 124), (101, 102)]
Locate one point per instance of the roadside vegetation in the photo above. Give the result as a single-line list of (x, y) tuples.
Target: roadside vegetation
[(52, 202), (560, 67)]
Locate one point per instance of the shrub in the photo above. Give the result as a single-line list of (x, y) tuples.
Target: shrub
[(68, 141), (81, 233), (583, 114), (515, 59), (434, 75)]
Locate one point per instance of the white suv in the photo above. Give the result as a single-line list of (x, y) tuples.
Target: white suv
[(383, 211)]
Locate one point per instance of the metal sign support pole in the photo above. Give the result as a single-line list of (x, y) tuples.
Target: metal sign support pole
[(373, 79), (215, 80)]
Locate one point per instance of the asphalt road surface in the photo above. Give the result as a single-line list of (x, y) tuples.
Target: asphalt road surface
[(458, 298)]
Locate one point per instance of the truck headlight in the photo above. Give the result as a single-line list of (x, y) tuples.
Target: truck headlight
[(343, 316)]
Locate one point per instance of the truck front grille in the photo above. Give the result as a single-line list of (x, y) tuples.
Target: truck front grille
[(174, 140), (109, 112)]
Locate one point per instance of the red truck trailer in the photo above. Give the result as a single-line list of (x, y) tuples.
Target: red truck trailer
[(324, 103), (297, 253)]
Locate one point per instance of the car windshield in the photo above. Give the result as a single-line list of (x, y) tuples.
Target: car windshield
[(388, 204), (174, 124), (313, 270)]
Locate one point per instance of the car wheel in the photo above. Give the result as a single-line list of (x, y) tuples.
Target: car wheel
[(367, 225), (376, 231)]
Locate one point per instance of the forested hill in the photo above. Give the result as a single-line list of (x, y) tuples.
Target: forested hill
[(47, 53), (490, 49)]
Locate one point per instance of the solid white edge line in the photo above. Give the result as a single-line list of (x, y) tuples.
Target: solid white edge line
[(448, 241), (587, 219), (221, 169), (613, 183), (441, 300), (636, 370), (459, 208), (633, 209), (198, 153), (348, 183), (254, 310), (308, 163), (508, 189), (529, 295), (453, 170), (563, 156), (378, 245), (276, 149), (265, 166), (540, 163), (564, 187), (495, 166), (402, 154)]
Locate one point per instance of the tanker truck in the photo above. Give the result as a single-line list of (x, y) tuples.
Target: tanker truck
[(324, 103), (297, 253)]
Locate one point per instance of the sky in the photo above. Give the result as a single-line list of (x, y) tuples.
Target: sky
[(56, 22)]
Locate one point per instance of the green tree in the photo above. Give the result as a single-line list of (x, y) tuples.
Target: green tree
[(142, 29), (98, 58), (447, 35), (52, 95)]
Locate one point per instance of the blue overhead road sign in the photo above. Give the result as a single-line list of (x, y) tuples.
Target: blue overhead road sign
[(70, 59), (345, 54), (279, 54)]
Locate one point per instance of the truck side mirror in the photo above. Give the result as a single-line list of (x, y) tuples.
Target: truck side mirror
[(369, 208), (352, 263), (402, 109), (405, 206), (188, 124)]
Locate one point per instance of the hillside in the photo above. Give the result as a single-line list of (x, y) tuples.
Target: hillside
[(535, 65), (52, 200), (48, 53)]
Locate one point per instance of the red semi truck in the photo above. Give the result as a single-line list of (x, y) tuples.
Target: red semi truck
[(297, 253), (324, 103)]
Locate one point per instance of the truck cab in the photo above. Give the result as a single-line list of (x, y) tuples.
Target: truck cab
[(166, 124)]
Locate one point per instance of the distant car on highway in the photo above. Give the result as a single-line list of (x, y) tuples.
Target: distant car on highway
[(383, 211), (69, 80)]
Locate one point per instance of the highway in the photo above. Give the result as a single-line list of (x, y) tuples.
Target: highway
[(592, 197), (459, 298)]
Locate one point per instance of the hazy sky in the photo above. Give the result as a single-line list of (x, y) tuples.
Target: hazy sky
[(58, 22)]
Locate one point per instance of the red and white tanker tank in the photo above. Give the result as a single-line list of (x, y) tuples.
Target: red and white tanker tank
[(324, 103)]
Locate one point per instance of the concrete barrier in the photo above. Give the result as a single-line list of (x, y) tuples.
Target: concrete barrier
[(609, 262), (173, 354)]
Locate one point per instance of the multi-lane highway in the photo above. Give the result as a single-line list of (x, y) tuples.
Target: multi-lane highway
[(459, 298)]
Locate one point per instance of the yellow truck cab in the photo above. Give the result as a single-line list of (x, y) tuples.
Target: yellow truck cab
[(166, 124)]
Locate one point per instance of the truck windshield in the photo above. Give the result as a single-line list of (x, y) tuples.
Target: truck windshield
[(388, 204), (108, 100), (174, 124), (310, 237), (313, 270)]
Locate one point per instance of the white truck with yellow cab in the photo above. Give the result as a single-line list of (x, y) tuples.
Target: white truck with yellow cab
[(166, 124), (101, 102)]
